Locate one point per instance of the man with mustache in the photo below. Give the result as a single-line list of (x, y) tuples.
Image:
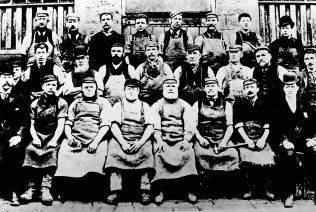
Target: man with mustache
[(19, 86), (191, 75), (213, 44), (151, 74), (41, 34), (174, 42), (101, 43), (112, 76), (173, 133), (13, 126), (70, 40), (252, 122), (247, 39)]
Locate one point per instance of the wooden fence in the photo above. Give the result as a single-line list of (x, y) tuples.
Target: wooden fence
[(303, 13), (18, 19)]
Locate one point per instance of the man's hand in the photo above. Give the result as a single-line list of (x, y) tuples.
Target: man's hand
[(126, 147), (310, 142), (52, 144), (158, 146), (37, 143), (92, 147), (288, 145), (251, 144), (136, 146), (72, 142), (15, 140), (260, 144), (203, 142), (184, 145), (222, 146)]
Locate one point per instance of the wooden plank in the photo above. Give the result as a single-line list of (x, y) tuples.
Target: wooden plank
[(55, 19), (293, 16), (29, 20), (8, 29), (18, 27), (158, 30), (309, 31), (0, 29), (303, 24), (50, 12), (313, 24), (70, 9), (277, 17), (272, 23), (213, 5), (60, 21), (194, 31), (282, 10)]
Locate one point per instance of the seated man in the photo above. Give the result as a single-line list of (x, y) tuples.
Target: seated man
[(252, 122), (174, 155), (84, 151), (130, 151), (48, 114)]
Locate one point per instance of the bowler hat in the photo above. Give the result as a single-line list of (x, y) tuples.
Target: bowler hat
[(290, 78), (132, 83), (259, 48), (234, 48), (310, 50), (6, 68), (48, 78), (286, 20), (80, 51)]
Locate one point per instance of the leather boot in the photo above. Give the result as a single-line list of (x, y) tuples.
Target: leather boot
[(28, 196), (192, 198), (15, 200), (288, 203), (112, 199), (159, 198), (47, 198), (145, 198)]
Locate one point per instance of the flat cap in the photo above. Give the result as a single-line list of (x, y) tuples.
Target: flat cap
[(211, 14), (261, 48), (193, 47), (48, 78), (235, 48), (79, 51), (132, 83), (89, 80), (170, 81), (152, 43), (117, 45), (72, 16), (286, 20), (141, 15), (6, 69), (174, 13), (42, 13), (290, 78), (250, 81), (208, 81), (310, 50)]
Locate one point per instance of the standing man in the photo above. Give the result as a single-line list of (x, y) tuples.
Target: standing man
[(152, 73), (174, 42), (70, 40), (247, 39), (41, 34), (135, 45), (174, 154), (13, 127), (101, 43), (18, 85), (191, 75), (214, 44), (130, 151)]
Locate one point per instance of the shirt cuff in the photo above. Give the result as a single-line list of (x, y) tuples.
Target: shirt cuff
[(238, 125)]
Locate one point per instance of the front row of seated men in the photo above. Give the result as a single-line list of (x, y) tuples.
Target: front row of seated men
[(168, 141)]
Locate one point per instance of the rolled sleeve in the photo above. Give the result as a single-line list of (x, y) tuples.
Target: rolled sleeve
[(188, 119), (99, 77), (105, 113), (60, 74), (63, 109), (199, 41), (128, 45), (229, 114), (33, 109), (71, 113), (148, 114), (116, 113), (155, 108)]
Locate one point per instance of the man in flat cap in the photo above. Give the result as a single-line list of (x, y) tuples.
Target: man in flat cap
[(101, 43), (19, 86), (151, 74), (41, 34), (288, 51), (191, 75), (252, 122), (173, 132), (247, 39), (111, 76), (48, 114), (231, 77), (174, 42), (130, 151), (135, 44), (70, 40), (214, 44), (13, 130)]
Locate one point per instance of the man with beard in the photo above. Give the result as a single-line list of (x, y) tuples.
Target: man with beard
[(152, 73), (130, 151), (42, 66), (73, 79), (18, 85), (70, 40), (174, 154), (111, 76), (13, 126), (135, 45), (213, 44), (247, 39), (101, 43), (174, 42), (41, 34), (252, 121), (231, 77), (191, 75)]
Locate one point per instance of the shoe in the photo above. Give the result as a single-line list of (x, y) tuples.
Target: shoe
[(288, 203), (112, 199), (269, 195), (28, 196), (15, 200), (47, 198), (314, 198), (145, 200), (192, 198), (247, 195), (159, 198)]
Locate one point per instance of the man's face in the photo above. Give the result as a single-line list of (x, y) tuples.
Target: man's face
[(50, 87), (41, 21), (89, 89), (251, 90), (263, 58), (245, 23), (193, 57), (290, 90), (176, 21), (131, 93), (17, 72), (211, 89), (6, 82), (72, 24), (234, 56), (286, 30), (170, 91), (310, 60), (41, 55), (106, 21), (141, 24), (152, 52), (117, 54), (81, 61), (211, 23)]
